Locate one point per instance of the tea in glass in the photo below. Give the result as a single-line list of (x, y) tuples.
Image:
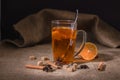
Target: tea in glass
[(63, 41)]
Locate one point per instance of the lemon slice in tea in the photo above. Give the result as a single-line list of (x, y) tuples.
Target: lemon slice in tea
[(89, 51)]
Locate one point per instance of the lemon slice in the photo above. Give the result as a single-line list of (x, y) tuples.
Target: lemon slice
[(89, 51)]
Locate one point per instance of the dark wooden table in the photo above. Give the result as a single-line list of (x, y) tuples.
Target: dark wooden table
[(13, 61)]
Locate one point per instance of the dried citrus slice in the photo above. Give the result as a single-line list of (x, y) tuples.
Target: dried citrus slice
[(89, 51)]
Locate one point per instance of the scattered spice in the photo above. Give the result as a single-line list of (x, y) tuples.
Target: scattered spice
[(48, 68), (65, 67), (70, 69), (53, 64), (44, 58), (74, 66), (32, 58), (83, 67), (101, 66), (59, 62), (40, 63)]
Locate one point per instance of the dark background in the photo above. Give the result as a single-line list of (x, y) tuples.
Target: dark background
[(0, 20), (14, 10)]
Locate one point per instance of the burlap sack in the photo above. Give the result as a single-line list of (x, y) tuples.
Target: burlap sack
[(36, 27)]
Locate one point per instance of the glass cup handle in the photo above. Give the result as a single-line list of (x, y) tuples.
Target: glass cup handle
[(83, 42)]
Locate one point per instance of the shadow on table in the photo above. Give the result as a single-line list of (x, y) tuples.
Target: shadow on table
[(103, 57)]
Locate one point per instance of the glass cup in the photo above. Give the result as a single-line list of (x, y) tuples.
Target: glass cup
[(64, 34)]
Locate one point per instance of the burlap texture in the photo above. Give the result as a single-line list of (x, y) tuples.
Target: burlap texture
[(36, 27)]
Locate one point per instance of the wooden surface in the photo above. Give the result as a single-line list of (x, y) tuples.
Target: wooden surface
[(13, 61)]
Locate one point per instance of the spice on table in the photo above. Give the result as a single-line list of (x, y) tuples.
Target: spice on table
[(40, 63), (65, 67), (53, 64), (48, 68), (44, 58), (83, 67), (101, 66), (32, 58), (59, 62), (34, 67), (74, 66), (70, 69)]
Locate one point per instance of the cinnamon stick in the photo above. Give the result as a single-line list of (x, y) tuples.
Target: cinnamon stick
[(34, 67), (52, 64)]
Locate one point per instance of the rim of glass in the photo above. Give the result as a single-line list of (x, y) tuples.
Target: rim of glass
[(62, 21)]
